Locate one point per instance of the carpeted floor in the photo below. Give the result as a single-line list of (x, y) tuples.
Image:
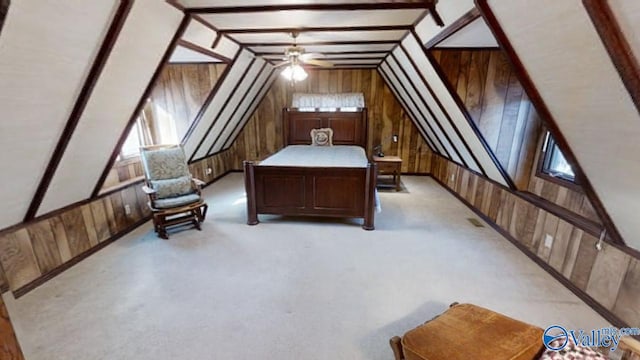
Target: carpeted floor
[(287, 288)]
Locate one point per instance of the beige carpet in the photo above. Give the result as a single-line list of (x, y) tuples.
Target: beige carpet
[(287, 288)]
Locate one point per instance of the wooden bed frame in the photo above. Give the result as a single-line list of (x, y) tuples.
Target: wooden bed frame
[(315, 191)]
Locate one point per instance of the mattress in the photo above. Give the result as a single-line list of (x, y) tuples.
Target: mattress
[(319, 156)]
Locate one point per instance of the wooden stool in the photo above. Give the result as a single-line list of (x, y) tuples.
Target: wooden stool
[(466, 332)]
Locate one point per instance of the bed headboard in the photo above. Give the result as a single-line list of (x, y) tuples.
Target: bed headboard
[(349, 128)]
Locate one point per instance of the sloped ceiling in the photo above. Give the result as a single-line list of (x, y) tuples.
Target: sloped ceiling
[(560, 49), (133, 61), (476, 34), (558, 46), (46, 50)]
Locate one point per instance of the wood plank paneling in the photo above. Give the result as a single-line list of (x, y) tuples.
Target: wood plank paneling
[(35, 250), (498, 105), (608, 278), (262, 136), (176, 99), (9, 346)]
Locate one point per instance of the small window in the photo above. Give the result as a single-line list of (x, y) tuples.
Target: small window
[(554, 162)]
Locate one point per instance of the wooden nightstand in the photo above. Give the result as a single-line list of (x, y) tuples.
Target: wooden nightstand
[(390, 165)]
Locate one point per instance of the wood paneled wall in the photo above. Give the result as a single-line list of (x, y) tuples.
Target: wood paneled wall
[(124, 171), (609, 277), (9, 346), (180, 92), (33, 252), (39, 248), (572, 200), (262, 136), (498, 105)]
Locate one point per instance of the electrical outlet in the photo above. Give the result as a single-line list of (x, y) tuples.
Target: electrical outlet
[(209, 171), (127, 209), (452, 177), (548, 241), (395, 138)]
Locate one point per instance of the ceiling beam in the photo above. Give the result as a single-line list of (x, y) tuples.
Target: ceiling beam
[(317, 43), (386, 5), (617, 46), (315, 29), (204, 51), (228, 99), (455, 26), (382, 53)]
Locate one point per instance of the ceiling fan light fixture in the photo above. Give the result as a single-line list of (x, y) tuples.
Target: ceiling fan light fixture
[(294, 73)]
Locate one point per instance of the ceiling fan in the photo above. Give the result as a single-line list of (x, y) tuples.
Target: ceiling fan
[(296, 55)]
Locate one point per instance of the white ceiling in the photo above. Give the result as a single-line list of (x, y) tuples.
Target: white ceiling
[(476, 34), (264, 29), (313, 36), (312, 18), (184, 55)]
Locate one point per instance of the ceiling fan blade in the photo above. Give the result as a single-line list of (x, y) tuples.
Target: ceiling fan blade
[(282, 63), (309, 56), (322, 63)]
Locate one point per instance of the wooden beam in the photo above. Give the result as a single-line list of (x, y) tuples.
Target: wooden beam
[(548, 119), (235, 110), (100, 60), (320, 43), (403, 102), (351, 52), (466, 19), (617, 46), (463, 109), (383, 5), (243, 118), (426, 53), (4, 9), (143, 99), (203, 51), (209, 98), (315, 29), (222, 109), (426, 105)]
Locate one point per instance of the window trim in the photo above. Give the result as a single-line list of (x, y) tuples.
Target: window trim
[(542, 159)]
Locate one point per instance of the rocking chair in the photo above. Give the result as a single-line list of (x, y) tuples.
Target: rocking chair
[(174, 195)]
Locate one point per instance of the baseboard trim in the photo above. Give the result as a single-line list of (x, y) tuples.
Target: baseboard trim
[(60, 269), (591, 302)]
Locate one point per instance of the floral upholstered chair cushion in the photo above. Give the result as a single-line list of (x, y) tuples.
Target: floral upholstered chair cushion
[(162, 163), (322, 137), (173, 187), (571, 351), (168, 176)]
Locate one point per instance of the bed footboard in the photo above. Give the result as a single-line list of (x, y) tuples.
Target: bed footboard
[(311, 191)]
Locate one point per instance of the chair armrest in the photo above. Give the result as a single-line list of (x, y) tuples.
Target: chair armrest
[(199, 182), (147, 190)]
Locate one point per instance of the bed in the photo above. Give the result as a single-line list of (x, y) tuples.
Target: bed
[(299, 180)]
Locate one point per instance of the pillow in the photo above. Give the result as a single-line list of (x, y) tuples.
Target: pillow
[(322, 137), (172, 187)]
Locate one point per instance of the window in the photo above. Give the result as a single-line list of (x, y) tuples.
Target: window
[(154, 126), (554, 163)]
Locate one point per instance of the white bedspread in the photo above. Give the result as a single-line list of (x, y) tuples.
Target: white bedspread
[(318, 156)]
